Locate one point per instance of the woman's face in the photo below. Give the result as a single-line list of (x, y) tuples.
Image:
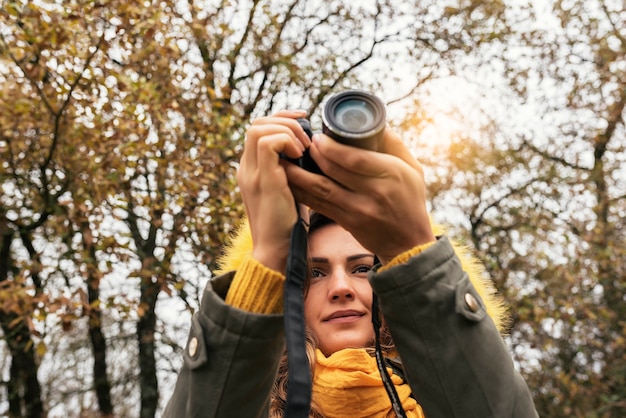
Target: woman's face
[(338, 305)]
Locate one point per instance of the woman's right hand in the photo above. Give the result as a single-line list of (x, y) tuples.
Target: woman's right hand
[(379, 197), (267, 198)]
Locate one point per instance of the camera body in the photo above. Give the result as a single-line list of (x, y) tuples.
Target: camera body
[(352, 117)]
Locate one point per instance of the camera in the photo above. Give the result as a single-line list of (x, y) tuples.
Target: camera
[(352, 117)]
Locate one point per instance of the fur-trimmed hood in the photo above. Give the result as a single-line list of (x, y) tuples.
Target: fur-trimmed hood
[(239, 248)]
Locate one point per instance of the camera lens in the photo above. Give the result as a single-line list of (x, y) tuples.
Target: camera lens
[(354, 115), (355, 118)]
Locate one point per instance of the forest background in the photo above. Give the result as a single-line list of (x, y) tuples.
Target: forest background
[(121, 125)]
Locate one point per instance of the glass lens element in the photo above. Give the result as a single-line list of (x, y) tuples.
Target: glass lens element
[(354, 115)]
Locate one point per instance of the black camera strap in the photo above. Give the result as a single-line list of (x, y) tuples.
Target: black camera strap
[(299, 383), (396, 403), (298, 402)]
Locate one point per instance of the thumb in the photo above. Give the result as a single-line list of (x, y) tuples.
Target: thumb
[(392, 144)]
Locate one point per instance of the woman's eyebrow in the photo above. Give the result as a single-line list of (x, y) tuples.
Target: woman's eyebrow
[(359, 256), (325, 260)]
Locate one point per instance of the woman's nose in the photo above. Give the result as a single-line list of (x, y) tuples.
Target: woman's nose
[(340, 287)]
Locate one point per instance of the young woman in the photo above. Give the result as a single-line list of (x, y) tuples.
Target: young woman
[(338, 313), (440, 319)]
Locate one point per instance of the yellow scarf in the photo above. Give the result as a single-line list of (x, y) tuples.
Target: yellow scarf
[(348, 384)]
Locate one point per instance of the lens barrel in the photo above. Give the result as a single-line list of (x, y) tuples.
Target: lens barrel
[(356, 118)]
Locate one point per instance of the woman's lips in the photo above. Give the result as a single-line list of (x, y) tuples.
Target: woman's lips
[(344, 316)]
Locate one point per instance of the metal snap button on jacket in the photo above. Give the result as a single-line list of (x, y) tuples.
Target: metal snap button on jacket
[(193, 346), (471, 302)]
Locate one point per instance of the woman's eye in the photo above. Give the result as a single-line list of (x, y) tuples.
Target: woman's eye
[(316, 273), (362, 269)]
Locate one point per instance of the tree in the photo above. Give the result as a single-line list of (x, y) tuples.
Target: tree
[(543, 197), (121, 125)]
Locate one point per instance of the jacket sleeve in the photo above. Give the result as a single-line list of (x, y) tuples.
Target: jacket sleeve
[(454, 357), (230, 360)]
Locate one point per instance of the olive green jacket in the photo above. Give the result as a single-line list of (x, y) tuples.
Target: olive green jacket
[(454, 357)]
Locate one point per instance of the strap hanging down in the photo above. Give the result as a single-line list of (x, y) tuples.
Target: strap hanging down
[(387, 383), (298, 403)]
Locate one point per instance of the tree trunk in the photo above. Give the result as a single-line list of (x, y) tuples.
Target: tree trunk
[(147, 361), (24, 391), (102, 385)]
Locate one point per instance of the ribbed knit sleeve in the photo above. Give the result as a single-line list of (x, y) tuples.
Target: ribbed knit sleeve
[(405, 256), (256, 288)]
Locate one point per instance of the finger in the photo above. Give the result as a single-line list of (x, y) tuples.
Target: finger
[(262, 137), (348, 209), (286, 118), (322, 194), (351, 166), (293, 114), (260, 161), (260, 164), (390, 144), (269, 147)]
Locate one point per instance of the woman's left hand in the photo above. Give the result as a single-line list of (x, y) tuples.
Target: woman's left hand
[(379, 197)]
